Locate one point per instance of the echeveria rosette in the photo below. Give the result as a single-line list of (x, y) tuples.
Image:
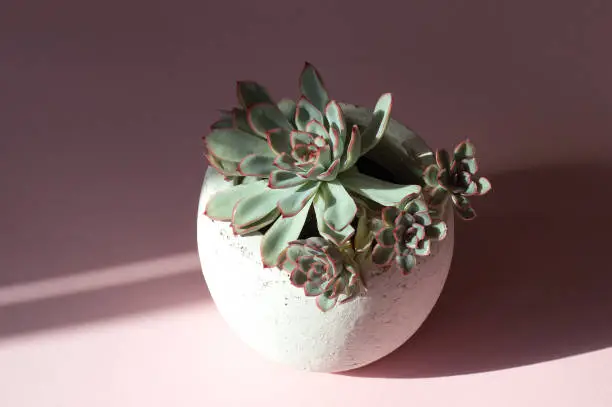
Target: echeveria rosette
[(293, 164), (322, 270), (457, 178), (403, 234)]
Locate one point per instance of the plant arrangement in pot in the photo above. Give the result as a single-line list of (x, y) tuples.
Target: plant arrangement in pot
[(315, 183)]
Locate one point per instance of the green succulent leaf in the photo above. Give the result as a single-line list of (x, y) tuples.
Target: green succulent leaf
[(484, 185), (227, 168), (316, 128), (363, 235), (423, 218), (463, 207), (423, 248), (430, 175), (284, 162), (223, 123), (256, 165), (253, 208), (470, 165), (471, 189), (306, 112), (250, 93), (311, 86), (285, 263), (334, 116), (281, 179), (443, 160), (234, 145), (313, 288), (353, 150), (298, 278), (438, 196), (377, 127), (337, 126), (383, 192), (382, 256), (240, 120), (340, 209), (287, 107), (226, 114), (437, 231), (279, 141), (293, 252), (406, 262), (305, 262), (300, 138), (315, 274), (221, 205), (464, 150), (389, 213), (385, 237), (338, 287), (325, 302), (294, 202), (332, 171), (283, 231), (338, 237), (258, 223), (264, 117), (412, 242), (415, 206)]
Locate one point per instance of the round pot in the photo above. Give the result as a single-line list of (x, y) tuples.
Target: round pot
[(280, 322)]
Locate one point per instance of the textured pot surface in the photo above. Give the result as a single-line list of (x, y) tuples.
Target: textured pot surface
[(280, 322)]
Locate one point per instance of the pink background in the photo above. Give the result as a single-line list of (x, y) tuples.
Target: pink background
[(102, 107)]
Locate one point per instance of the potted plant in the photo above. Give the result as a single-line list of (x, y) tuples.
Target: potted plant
[(325, 229)]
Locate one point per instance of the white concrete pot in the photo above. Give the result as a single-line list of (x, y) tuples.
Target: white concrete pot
[(280, 322)]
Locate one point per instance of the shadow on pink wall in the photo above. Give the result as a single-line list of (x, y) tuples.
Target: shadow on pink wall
[(530, 280), (83, 307)]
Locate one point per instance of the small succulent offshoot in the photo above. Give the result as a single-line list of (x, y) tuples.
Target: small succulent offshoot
[(322, 270), (457, 178), (403, 234)]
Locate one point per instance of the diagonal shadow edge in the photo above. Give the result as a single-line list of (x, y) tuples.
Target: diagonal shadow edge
[(101, 294)]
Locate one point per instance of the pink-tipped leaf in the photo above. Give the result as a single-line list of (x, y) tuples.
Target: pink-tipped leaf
[(280, 179), (283, 231), (256, 165), (340, 208), (250, 93), (292, 204), (377, 127), (278, 141), (312, 87), (220, 206), (353, 150), (305, 112), (383, 192), (264, 117), (234, 145)]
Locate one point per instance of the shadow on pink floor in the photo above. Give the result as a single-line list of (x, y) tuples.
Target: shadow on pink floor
[(530, 280)]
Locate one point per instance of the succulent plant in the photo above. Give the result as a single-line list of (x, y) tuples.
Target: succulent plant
[(403, 234), (286, 158), (457, 178), (322, 270)]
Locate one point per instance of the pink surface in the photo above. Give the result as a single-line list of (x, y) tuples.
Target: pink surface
[(101, 111)]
